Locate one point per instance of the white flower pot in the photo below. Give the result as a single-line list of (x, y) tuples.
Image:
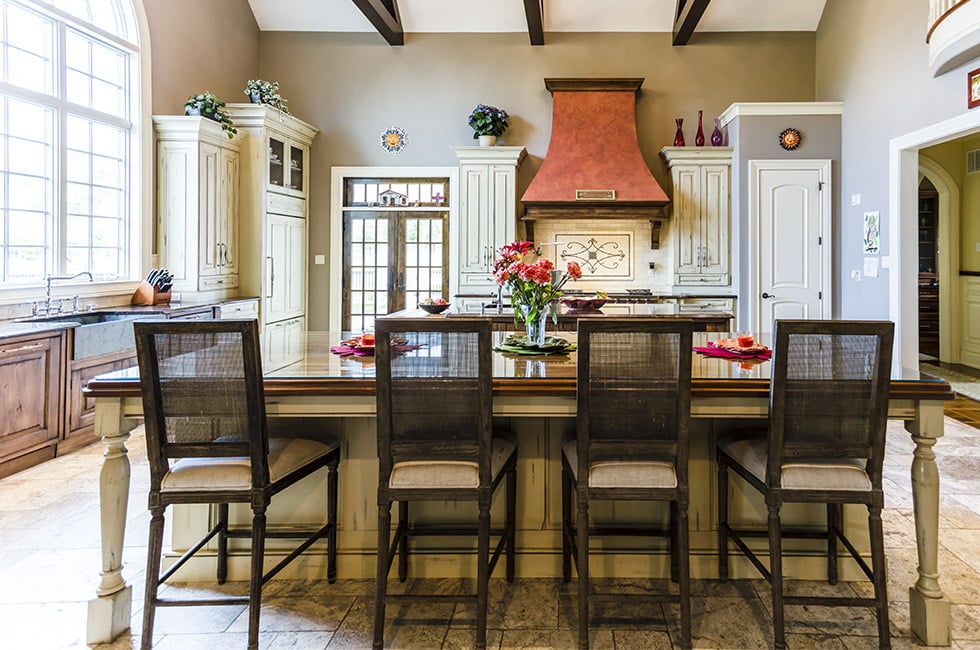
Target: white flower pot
[(488, 140)]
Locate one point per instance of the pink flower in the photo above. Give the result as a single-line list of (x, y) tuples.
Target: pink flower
[(574, 270)]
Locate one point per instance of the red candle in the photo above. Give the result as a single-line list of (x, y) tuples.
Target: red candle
[(745, 339)]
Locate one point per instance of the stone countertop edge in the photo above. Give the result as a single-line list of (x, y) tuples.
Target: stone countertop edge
[(586, 295)]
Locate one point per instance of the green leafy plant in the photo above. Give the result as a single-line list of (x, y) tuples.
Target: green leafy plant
[(266, 92), (208, 105), (488, 120)]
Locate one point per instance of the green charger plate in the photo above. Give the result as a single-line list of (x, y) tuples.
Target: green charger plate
[(518, 344)]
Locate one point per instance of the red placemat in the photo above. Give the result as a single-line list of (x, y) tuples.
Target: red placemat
[(713, 351), (348, 350)]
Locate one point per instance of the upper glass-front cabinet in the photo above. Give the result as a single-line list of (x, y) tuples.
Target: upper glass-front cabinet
[(287, 165)]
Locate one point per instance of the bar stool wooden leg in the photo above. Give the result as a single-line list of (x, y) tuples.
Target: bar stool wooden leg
[(332, 520), (722, 519), (684, 572), (880, 580), (833, 525), (511, 524), (583, 574), (153, 559), (222, 543), (381, 577), (482, 573), (255, 583), (776, 575), (403, 545), (566, 524)]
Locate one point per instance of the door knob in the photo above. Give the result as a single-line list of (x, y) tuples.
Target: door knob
[(767, 295)]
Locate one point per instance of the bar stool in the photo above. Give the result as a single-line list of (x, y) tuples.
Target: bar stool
[(634, 404), (436, 443), (204, 407), (828, 404)]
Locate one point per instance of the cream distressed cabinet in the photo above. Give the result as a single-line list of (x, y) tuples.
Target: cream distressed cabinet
[(197, 203), (275, 178), (700, 214), (487, 212)]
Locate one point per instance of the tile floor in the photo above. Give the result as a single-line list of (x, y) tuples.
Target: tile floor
[(49, 554)]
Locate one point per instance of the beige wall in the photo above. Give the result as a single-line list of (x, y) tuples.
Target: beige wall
[(199, 45), (352, 86), (872, 55)]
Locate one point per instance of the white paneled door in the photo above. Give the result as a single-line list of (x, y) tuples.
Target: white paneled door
[(789, 204)]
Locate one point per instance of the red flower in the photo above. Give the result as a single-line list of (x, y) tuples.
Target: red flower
[(574, 270)]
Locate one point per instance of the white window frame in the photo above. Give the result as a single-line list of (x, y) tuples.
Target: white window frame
[(338, 177), (140, 171)]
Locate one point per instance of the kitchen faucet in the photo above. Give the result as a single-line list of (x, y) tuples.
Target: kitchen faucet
[(46, 309)]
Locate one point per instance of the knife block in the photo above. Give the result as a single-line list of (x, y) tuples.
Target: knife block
[(147, 294)]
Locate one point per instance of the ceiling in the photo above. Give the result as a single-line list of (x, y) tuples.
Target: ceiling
[(558, 15)]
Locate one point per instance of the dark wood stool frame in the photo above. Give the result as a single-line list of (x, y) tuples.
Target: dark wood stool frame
[(786, 442), (667, 441), (402, 438), (166, 397)]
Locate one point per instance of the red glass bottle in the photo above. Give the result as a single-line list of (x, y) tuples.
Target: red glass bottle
[(699, 138), (679, 136)]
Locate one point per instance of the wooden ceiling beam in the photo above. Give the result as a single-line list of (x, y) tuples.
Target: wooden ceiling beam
[(688, 16), (383, 14), (534, 12)]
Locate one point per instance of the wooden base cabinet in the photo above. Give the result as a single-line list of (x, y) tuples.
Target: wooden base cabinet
[(80, 414), (32, 373)]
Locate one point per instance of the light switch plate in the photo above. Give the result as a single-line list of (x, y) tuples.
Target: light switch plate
[(319, 259)]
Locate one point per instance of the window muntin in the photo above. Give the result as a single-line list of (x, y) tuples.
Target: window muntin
[(68, 139)]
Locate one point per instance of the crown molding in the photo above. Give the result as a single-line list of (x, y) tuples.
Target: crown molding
[(780, 108)]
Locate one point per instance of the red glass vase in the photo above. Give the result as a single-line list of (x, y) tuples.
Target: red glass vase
[(699, 138), (679, 136)]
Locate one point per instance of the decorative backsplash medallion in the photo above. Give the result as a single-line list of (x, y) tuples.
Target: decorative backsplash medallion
[(601, 255)]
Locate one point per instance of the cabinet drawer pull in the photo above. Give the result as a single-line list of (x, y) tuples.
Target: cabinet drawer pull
[(23, 348)]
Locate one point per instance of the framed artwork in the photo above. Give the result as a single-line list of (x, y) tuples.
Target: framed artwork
[(973, 88), (872, 232)]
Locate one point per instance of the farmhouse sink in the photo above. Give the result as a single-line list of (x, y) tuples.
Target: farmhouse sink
[(101, 332)]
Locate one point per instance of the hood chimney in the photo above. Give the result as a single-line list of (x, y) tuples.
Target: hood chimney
[(594, 168)]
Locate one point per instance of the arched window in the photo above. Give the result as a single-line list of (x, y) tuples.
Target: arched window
[(69, 143)]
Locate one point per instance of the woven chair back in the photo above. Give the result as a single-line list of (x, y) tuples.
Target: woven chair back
[(829, 391), (202, 392), (433, 401), (634, 388)]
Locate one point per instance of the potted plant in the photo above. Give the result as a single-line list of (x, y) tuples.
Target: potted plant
[(488, 122), (266, 92), (207, 105)]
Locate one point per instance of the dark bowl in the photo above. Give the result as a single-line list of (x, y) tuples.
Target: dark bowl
[(583, 304), (434, 309)]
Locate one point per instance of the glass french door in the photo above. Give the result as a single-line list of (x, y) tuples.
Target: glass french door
[(396, 254)]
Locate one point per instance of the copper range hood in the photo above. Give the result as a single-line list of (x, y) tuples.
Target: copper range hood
[(594, 168)]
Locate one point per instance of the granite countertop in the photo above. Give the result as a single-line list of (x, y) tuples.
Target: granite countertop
[(610, 310), (21, 327)]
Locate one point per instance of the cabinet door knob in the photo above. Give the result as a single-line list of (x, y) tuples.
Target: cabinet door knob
[(768, 295)]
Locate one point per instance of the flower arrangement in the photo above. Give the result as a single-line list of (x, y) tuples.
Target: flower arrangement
[(260, 91), (488, 120), (531, 280), (209, 106)]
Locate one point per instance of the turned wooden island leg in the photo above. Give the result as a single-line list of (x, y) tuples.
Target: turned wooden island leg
[(929, 607), (110, 611)]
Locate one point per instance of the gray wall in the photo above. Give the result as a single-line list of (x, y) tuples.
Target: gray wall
[(756, 137), (352, 86), (872, 55), (200, 45)]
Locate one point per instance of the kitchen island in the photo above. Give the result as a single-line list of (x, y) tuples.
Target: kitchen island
[(308, 388)]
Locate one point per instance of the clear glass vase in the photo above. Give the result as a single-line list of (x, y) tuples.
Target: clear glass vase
[(535, 327)]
